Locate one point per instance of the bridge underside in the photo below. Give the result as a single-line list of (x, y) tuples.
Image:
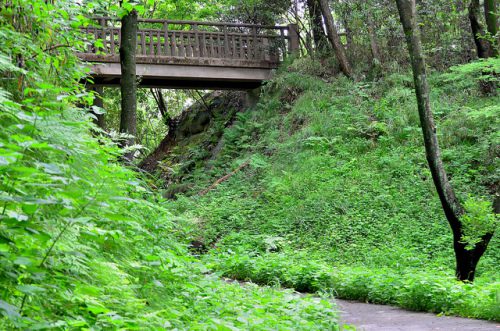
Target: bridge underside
[(185, 74)]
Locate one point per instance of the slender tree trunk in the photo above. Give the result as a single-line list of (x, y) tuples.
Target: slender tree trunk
[(348, 36), (316, 18), (482, 45), (373, 40), (466, 260), (333, 35), (490, 13), (161, 103), (128, 82)]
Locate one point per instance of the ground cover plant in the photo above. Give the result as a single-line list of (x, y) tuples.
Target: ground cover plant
[(338, 170), (84, 243)]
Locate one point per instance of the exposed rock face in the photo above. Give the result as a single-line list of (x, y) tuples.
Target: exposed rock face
[(201, 124)]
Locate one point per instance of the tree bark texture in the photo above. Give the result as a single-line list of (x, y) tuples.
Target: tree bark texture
[(128, 81), (490, 13), (316, 18), (483, 47), (333, 35), (466, 260)]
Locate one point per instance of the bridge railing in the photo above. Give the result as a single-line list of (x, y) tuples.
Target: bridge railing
[(160, 41)]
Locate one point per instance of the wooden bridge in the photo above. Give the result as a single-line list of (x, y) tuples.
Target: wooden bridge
[(188, 54)]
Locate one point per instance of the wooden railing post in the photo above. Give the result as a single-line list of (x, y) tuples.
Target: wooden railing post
[(103, 34), (226, 42), (197, 45), (255, 44), (293, 35)]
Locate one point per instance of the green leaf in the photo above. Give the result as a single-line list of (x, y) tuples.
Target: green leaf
[(9, 310), (30, 289)]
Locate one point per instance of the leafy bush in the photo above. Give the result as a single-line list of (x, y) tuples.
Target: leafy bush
[(409, 288), (84, 243), (345, 179)]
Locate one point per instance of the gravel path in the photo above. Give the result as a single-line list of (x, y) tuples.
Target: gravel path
[(369, 317)]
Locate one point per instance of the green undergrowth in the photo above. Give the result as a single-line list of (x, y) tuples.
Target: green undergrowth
[(84, 243), (411, 288), (338, 170)]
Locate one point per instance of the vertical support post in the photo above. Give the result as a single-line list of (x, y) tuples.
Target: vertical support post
[(112, 41), (293, 35), (219, 47), (182, 45), (242, 49), (158, 43), (151, 44), (226, 42), (166, 43), (197, 49), (212, 49), (234, 55), (103, 34), (255, 44), (174, 44), (143, 43), (203, 50)]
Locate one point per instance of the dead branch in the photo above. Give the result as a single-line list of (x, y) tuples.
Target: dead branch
[(223, 179)]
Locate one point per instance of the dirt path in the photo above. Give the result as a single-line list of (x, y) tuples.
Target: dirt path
[(369, 317)]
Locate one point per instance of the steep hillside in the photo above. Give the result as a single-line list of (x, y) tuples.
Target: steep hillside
[(338, 174)]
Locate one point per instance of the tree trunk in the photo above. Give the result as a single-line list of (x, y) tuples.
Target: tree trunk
[(482, 45), (128, 82), (348, 36), (490, 13), (161, 103), (316, 18), (333, 35), (466, 260), (373, 40)]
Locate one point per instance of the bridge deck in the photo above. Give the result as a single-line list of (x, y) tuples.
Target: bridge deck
[(187, 54)]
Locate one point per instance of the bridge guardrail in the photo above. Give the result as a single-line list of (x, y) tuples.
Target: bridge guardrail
[(163, 40)]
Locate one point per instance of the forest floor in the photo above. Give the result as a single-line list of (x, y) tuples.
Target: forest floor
[(371, 317)]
